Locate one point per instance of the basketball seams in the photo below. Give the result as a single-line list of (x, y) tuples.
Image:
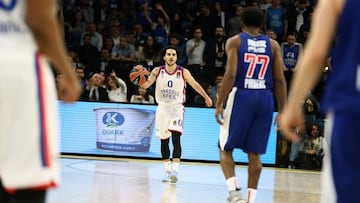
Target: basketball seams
[(139, 74)]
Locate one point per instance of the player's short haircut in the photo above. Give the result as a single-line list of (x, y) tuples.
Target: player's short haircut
[(252, 17)]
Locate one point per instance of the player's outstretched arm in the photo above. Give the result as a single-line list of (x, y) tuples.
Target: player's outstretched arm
[(41, 18), (151, 78), (197, 87)]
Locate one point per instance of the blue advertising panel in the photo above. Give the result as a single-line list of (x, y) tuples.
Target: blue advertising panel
[(119, 129)]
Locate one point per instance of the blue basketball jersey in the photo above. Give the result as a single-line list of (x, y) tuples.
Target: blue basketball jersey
[(343, 90), (255, 63), (275, 19), (250, 104), (341, 100), (291, 54)]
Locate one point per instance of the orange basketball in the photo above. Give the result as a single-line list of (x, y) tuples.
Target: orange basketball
[(139, 75)]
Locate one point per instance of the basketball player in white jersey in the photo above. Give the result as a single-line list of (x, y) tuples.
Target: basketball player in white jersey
[(29, 32), (170, 95)]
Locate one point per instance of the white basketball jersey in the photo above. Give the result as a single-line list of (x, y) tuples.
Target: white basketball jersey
[(28, 118), (170, 87), (15, 35)]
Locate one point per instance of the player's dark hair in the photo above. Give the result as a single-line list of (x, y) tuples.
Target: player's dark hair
[(252, 17), (163, 51)]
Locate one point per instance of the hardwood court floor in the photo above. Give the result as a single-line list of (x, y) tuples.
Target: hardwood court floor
[(90, 180)]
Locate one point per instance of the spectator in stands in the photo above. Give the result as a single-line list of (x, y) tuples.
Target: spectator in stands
[(89, 55), (123, 52), (220, 14), (123, 57), (177, 22), (276, 19), (233, 25), (94, 91), (271, 34), (206, 20), (76, 27), (142, 97), (59, 80), (101, 10), (265, 4), (132, 39), (142, 6), (115, 34), (304, 31), (69, 38), (214, 55), (103, 79), (290, 51), (68, 9), (298, 15), (311, 109), (176, 40), (109, 44), (139, 34), (160, 28), (87, 10), (95, 37), (195, 52), (105, 60), (102, 30), (311, 150), (150, 53), (74, 57), (138, 49), (191, 11), (117, 88), (217, 81), (127, 15), (80, 73), (113, 19)]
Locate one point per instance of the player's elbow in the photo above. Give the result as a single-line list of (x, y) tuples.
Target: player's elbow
[(230, 76)]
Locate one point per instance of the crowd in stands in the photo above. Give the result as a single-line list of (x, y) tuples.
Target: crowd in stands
[(106, 38)]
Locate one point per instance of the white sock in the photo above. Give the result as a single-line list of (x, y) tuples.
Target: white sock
[(232, 183), (167, 165), (251, 195), (175, 166)]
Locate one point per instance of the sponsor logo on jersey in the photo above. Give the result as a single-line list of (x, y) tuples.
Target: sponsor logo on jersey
[(9, 27), (256, 46)]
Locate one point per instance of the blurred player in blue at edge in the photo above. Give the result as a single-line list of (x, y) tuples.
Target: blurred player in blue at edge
[(334, 20)]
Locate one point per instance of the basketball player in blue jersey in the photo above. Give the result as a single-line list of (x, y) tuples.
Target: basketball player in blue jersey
[(29, 32), (170, 88), (254, 69), (341, 101)]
